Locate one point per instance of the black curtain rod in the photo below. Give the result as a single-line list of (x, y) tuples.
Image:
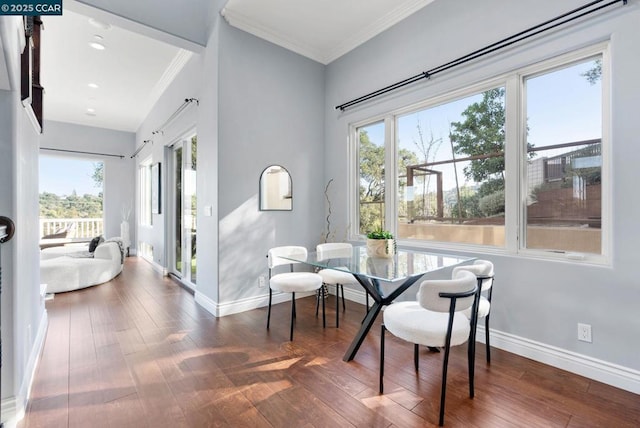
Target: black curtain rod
[(144, 143), (160, 130), (175, 114), (81, 152), (518, 37)]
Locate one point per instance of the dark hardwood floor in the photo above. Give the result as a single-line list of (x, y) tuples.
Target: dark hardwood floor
[(139, 352)]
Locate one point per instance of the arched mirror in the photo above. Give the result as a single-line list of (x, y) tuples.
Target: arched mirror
[(275, 189)]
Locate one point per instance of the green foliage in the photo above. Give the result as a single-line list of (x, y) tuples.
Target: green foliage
[(379, 234), (72, 206), (594, 73), (468, 206), (371, 169), (98, 174), (481, 133), (491, 186), (372, 195), (371, 184), (492, 204), (194, 152)]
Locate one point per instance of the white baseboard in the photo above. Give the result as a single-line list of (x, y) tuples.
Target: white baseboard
[(592, 368), (242, 305), (13, 408), (160, 269)]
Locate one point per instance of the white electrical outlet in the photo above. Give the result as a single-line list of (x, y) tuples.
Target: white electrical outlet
[(584, 332), (262, 281)]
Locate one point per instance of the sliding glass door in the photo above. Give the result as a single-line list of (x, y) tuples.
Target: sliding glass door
[(182, 211)]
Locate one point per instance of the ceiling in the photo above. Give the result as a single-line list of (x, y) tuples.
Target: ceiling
[(322, 30), (139, 62), (130, 73)]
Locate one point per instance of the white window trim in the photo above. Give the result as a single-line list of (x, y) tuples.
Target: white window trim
[(515, 144), (547, 66), (142, 221)]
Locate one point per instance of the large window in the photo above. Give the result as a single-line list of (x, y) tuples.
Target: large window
[(564, 165), (71, 197), (524, 154), (371, 176), (451, 180)]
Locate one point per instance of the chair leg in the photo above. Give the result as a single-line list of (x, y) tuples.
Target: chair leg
[(486, 333), (344, 307), (416, 351), (383, 329), (269, 310), (471, 361), (443, 391), (293, 314), (337, 307), (324, 320), (318, 300), (294, 304), (445, 363)]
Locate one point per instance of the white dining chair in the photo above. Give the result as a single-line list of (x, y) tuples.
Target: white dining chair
[(291, 282), (435, 319), (483, 270), (335, 250)]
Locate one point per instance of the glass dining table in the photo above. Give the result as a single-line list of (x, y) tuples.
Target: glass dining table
[(384, 279)]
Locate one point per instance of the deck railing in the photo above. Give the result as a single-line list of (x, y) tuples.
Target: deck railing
[(77, 227)]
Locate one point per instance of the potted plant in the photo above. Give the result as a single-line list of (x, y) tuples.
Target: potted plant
[(380, 243)]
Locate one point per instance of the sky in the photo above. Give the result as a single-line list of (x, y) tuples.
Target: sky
[(61, 175), (562, 106)]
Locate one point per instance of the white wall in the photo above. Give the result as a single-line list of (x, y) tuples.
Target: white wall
[(185, 85), (537, 303), (271, 112), (119, 173), (23, 314), (247, 88)]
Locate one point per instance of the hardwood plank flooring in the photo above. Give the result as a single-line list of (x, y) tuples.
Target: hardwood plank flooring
[(139, 352)]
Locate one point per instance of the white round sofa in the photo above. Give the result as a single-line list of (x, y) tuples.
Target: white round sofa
[(68, 269)]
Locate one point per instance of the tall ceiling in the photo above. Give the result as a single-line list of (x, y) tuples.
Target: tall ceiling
[(322, 30), (130, 73), (145, 50)]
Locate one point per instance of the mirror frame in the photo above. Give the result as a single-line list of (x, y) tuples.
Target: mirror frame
[(261, 186)]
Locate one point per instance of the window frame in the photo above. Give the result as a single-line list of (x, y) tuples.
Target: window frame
[(515, 159), (548, 66), (144, 174)]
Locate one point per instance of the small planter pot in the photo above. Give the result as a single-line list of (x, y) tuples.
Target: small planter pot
[(383, 248)]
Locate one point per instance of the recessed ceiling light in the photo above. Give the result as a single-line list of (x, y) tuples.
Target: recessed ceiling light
[(99, 24), (97, 46), (91, 112), (93, 85)]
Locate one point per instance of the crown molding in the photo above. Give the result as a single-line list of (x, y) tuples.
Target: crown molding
[(244, 23), (324, 56), (385, 22), (176, 65)]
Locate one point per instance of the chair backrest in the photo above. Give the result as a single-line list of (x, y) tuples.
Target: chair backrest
[(481, 269), (274, 256), (463, 282), (334, 250)]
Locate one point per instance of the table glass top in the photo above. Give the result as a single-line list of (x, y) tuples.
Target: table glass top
[(404, 264)]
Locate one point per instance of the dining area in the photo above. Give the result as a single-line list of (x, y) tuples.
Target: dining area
[(150, 357), (443, 313)]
